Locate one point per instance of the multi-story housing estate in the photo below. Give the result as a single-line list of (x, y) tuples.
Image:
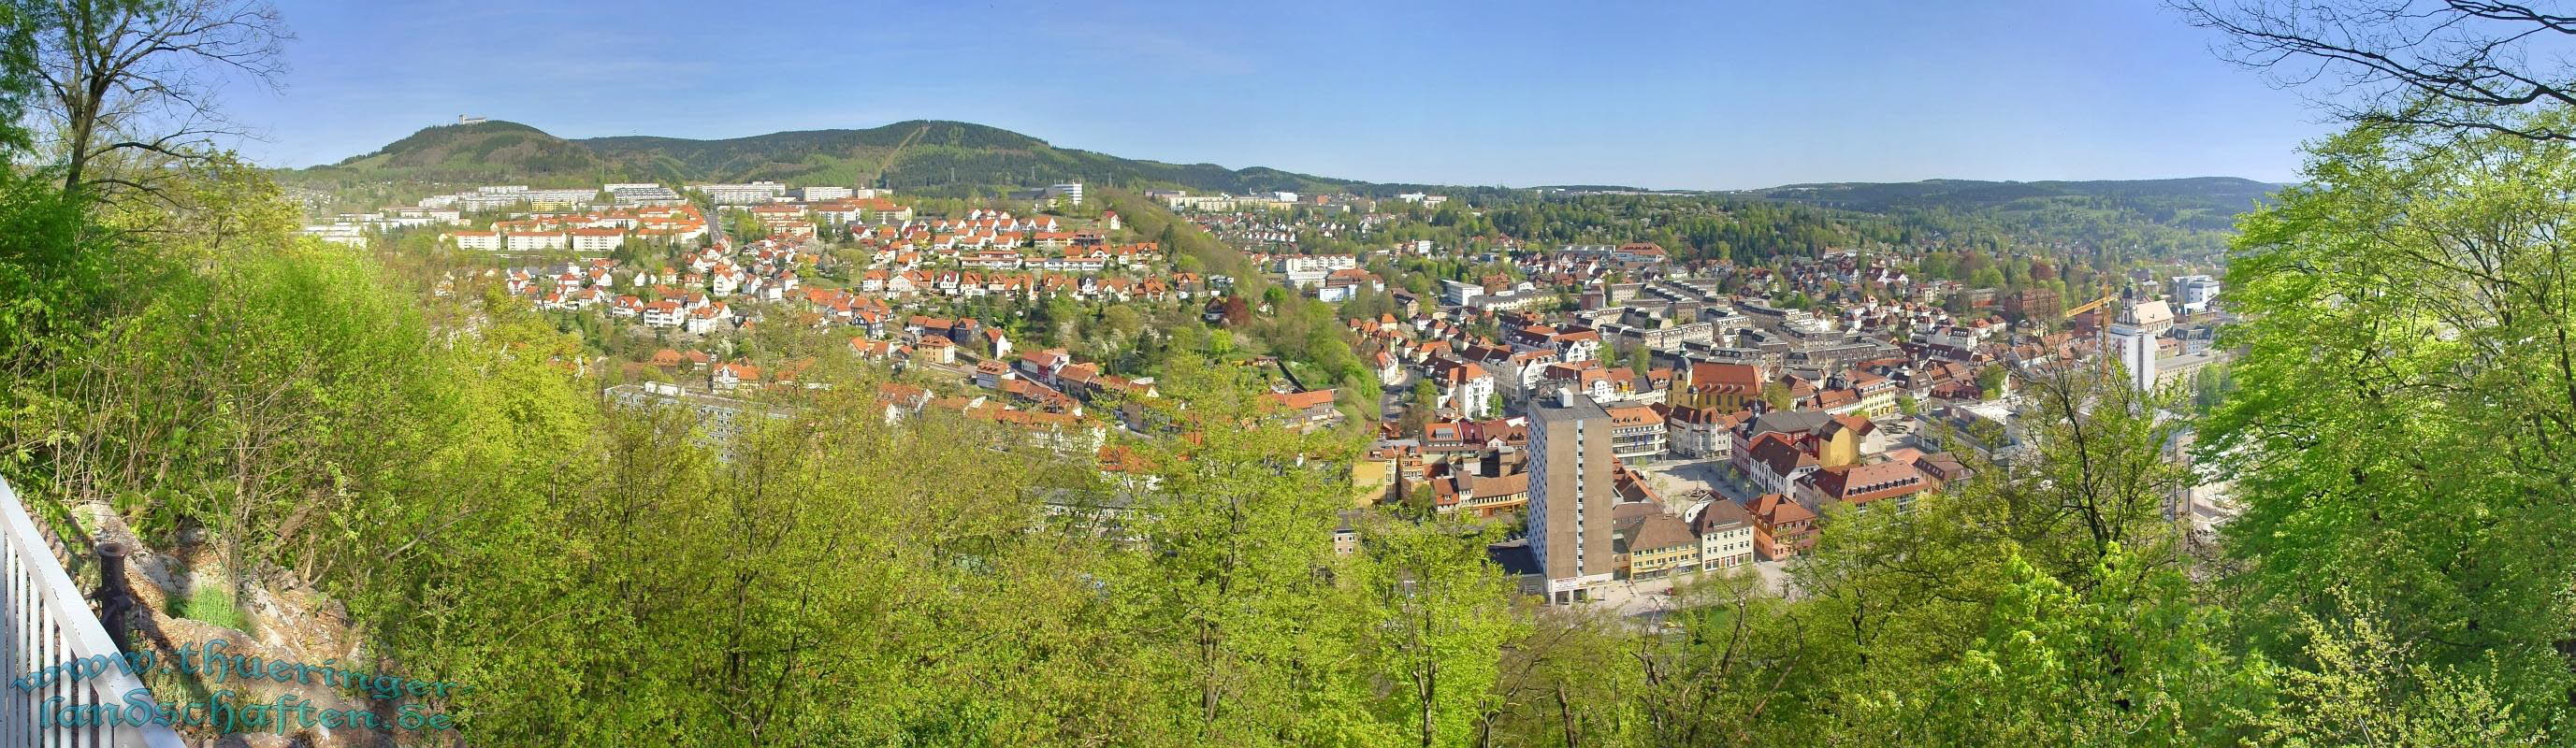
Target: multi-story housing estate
[(595, 241), (534, 241), (643, 195), (1310, 270), (558, 199), (1069, 193)]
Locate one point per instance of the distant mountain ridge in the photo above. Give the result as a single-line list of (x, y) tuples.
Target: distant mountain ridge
[(913, 155), (939, 156), (2208, 203)]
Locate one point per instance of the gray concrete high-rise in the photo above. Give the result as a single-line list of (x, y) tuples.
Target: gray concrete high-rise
[(1571, 493)]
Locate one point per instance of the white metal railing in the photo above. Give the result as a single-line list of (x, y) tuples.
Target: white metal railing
[(45, 621)]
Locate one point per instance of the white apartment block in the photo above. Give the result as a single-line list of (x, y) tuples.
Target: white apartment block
[(535, 242), (754, 193), (630, 195), (1309, 270), (488, 241), (349, 234), (559, 198), (487, 200), (596, 241), (1069, 192), (2193, 292), (438, 214)]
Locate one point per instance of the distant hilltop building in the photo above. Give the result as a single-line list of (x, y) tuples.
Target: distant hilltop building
[(470, 120)]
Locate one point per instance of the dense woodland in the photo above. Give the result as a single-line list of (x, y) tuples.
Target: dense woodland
[(298, 413)]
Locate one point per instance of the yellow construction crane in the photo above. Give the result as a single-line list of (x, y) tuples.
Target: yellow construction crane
[(2096, 304)]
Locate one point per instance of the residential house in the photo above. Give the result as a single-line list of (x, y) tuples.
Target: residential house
[(1701, 432), (1863, 486), (726, 377), (1636, 433), (1725, 532), (1656, 543), (1774, 461), (935, 349), (990, 374), (1467, 388), (1782, 528), (1306, 411)]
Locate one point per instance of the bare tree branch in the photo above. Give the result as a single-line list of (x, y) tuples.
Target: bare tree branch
[(129, 76), (2451, 64)]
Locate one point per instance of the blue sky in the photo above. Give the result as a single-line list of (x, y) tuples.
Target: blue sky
[(1709, 95)]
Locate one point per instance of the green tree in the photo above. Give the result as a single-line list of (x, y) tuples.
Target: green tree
[(2128, 659), (1639, 359), (1990, 381), (1776, 395), (1420, 407), (2363, 688), (1242, 528), (2402, 394), (1441, 607)]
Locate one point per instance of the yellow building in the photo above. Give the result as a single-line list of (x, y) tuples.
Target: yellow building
[(1833, 439), (1724, 388), (1877, 393), (1372, 479), (1658, 544), (1838, 440), (1374, 475)]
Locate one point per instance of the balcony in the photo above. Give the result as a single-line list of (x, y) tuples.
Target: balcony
[(49, 622)]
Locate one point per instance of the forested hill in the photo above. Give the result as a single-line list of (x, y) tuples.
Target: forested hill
[(2201, 203), (482, 151), (920, 156)]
